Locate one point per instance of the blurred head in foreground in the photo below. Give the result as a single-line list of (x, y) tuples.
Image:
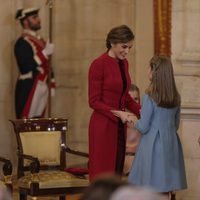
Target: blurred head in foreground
[(135, 193), (102, 188)]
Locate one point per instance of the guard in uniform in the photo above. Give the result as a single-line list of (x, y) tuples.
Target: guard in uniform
[(32, 56)]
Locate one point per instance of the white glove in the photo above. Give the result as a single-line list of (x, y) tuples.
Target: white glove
[(53, 92), (49, 49)]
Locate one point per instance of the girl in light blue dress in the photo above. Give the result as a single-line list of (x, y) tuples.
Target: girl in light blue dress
[(159, 159)]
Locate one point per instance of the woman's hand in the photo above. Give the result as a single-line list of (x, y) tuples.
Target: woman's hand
[(124, 116), (121, 114)]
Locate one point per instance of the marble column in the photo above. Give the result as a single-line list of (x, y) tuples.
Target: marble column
[(186, 60)]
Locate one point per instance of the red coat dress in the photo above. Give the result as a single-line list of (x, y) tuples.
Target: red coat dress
[(105, 90)]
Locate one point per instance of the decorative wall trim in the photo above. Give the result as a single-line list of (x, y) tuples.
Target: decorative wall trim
[(190, 74), (189, 59), (190, 112), (162, 26)]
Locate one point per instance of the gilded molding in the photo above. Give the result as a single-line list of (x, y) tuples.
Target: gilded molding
[(162, 27)]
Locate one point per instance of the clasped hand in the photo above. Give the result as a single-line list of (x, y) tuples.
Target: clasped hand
[(126, 117)]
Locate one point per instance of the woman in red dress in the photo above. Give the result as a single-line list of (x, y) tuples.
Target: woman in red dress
[(109, 83)]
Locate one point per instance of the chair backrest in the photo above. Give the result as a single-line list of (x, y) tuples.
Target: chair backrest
[(42, 138), (43, 145)]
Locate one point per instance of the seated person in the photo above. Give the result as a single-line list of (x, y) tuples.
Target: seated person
[(133, 136)]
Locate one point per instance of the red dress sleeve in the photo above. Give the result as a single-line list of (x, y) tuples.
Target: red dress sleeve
[(96, 76)]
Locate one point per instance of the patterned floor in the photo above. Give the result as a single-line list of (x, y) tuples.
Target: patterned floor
[(69, 197)]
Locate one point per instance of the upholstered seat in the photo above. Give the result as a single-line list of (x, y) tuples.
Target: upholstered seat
[(42, 150), (53, 179)]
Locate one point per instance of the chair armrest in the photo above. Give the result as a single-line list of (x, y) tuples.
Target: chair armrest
[(7, 172), (7, 166), (75, 152), (34, 165)]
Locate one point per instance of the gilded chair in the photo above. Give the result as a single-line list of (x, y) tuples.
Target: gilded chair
[(7, 174), (42, 150)]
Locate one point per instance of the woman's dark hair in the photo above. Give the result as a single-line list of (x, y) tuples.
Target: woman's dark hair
[(162, 88), (119, 34)]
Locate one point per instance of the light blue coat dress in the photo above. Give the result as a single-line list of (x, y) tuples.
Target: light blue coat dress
[(159, 160)]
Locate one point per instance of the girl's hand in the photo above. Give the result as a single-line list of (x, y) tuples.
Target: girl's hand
[(121, 114), (132, 118), (130, 125), (124, 116)]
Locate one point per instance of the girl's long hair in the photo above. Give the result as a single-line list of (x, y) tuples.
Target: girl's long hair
[(162, 88)]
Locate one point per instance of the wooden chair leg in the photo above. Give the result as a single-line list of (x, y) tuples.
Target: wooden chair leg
[(22, 197), (62, 198), (173, 196)]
